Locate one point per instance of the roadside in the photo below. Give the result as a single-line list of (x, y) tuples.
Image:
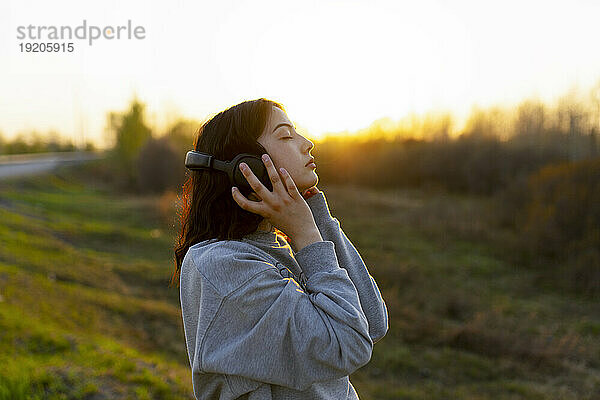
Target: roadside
[(14, 165)]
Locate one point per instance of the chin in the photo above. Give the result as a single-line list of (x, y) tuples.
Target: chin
[(309, 182)]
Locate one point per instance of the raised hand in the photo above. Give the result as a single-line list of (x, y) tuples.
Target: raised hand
[(284, 207)]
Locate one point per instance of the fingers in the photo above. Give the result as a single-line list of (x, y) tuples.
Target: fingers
[(281, 184), (289, 184), (260, 190), (273, 174), (243, 202)]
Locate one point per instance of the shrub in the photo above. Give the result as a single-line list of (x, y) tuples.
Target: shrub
[(159, 166), (563, 210), (556, 212)]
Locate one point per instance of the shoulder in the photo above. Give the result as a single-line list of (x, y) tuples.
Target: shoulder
[(229, 264)]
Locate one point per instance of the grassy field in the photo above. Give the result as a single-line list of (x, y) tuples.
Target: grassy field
[(86, 311)]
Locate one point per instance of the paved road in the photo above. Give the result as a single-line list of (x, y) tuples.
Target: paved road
[(31, 164)]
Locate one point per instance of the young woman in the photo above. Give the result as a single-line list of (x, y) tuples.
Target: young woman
[(276, 301)]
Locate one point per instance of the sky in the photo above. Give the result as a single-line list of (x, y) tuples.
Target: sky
[(335, 65)]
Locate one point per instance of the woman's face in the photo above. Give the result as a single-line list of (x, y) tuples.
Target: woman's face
[(288, 149)]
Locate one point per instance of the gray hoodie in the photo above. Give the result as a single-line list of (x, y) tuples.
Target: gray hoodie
[(263, 322)]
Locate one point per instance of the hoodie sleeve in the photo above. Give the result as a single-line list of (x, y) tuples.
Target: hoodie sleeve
[(348, 257), (270, 330)]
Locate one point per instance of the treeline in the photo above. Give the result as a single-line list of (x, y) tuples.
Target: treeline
[(34, 142), (467, 164), (497, 146)]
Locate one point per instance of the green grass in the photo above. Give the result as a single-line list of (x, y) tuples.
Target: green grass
[(86, 311)]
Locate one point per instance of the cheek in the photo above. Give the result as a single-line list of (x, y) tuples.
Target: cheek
[(281, 156), (274, 153), (280, 162)]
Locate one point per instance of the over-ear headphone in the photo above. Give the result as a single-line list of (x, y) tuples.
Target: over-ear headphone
[(196, 160)]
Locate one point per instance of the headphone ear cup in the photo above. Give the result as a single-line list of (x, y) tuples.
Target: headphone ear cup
[(258, 168)]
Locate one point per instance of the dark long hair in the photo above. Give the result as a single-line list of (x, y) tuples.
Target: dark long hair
[(206, 208)]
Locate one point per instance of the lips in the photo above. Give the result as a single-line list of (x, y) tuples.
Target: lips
[(312, 160)]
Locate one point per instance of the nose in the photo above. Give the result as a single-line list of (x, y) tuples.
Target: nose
[(309, 144)]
